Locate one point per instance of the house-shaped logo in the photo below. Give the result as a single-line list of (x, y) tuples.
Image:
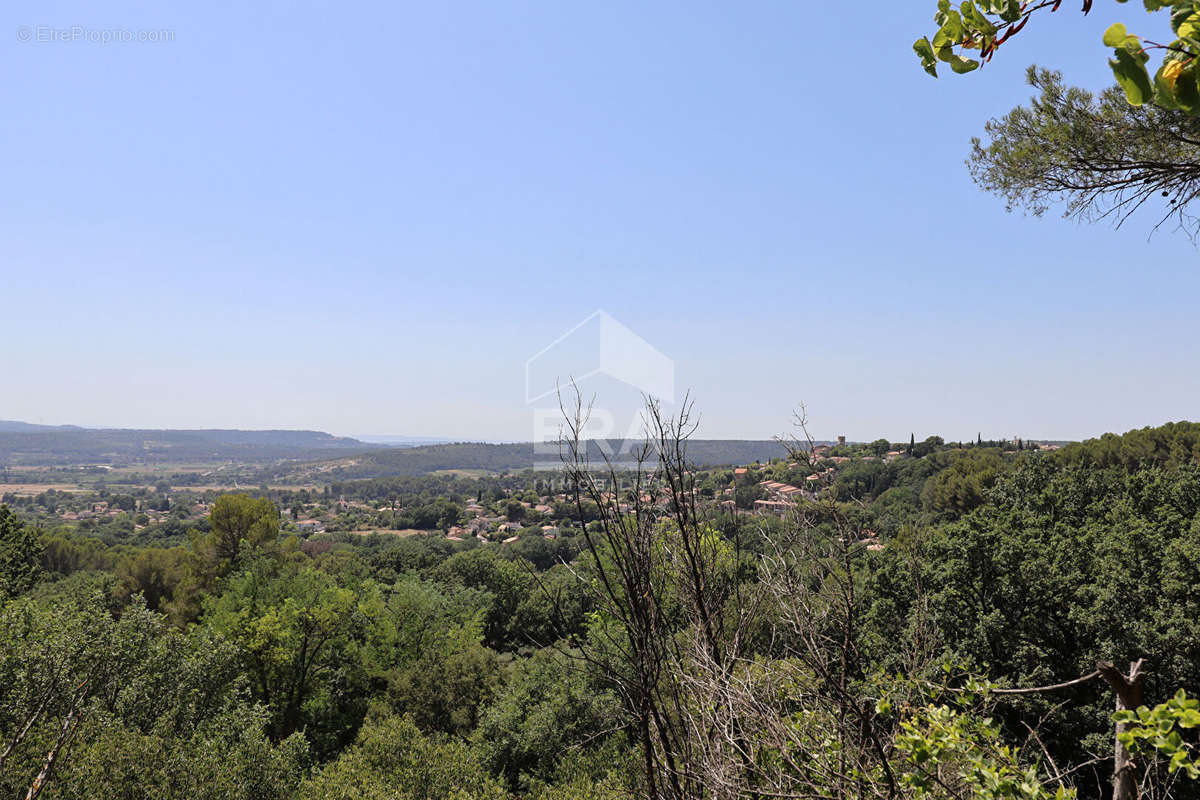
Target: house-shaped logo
[(599, 345)]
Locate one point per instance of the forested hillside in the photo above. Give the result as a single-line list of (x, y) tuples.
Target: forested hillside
[(29, 445), (511, 457), (309, 453), (672, 638)]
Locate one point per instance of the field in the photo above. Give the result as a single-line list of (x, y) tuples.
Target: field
[(38, 488)]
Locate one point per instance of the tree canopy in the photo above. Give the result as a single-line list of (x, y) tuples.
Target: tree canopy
[(981, 27), (1101, 156), (876, 641), (1096, 155)]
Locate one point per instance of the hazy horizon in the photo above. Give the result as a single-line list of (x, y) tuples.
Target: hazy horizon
[(418, 440)]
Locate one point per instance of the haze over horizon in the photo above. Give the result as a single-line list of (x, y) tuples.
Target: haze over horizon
[(273, 222), (416, 440)]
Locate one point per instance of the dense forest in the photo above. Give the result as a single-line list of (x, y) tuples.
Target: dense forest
[(501, 457), (302, 455), (953, 622), (22, 444)]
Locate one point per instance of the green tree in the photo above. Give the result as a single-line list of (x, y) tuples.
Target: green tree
[(445, 687), (1089, 554), (237, 522), (393, 760), (514, 511), (508, 584), (924, 448), (299, 633), (982, 26), (20, 556), (1100, 156), (745, 494), (963, 485), (225, 756), (152, 572), (70, 669), (96, 705), (546, 711)]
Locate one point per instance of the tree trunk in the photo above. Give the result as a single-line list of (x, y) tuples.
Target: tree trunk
[(1128, 689), (64, 735)]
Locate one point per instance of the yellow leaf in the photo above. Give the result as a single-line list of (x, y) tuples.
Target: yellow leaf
[(1170, 73)]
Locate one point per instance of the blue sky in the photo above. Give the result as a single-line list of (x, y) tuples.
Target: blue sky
[(364, 218)]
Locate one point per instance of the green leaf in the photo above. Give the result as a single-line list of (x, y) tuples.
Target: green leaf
[(951, 32), (924, 50), (1115, 35), (978, 22), (963, 65), (1131, 75), (1187, 25)]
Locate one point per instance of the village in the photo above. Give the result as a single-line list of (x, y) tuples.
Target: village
[(473, 510)]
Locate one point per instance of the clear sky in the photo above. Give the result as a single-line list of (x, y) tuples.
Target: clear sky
[(364, 218)]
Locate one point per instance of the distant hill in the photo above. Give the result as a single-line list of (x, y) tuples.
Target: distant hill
[(22, 444), (500, 457), (12, 426), (313, 455)]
